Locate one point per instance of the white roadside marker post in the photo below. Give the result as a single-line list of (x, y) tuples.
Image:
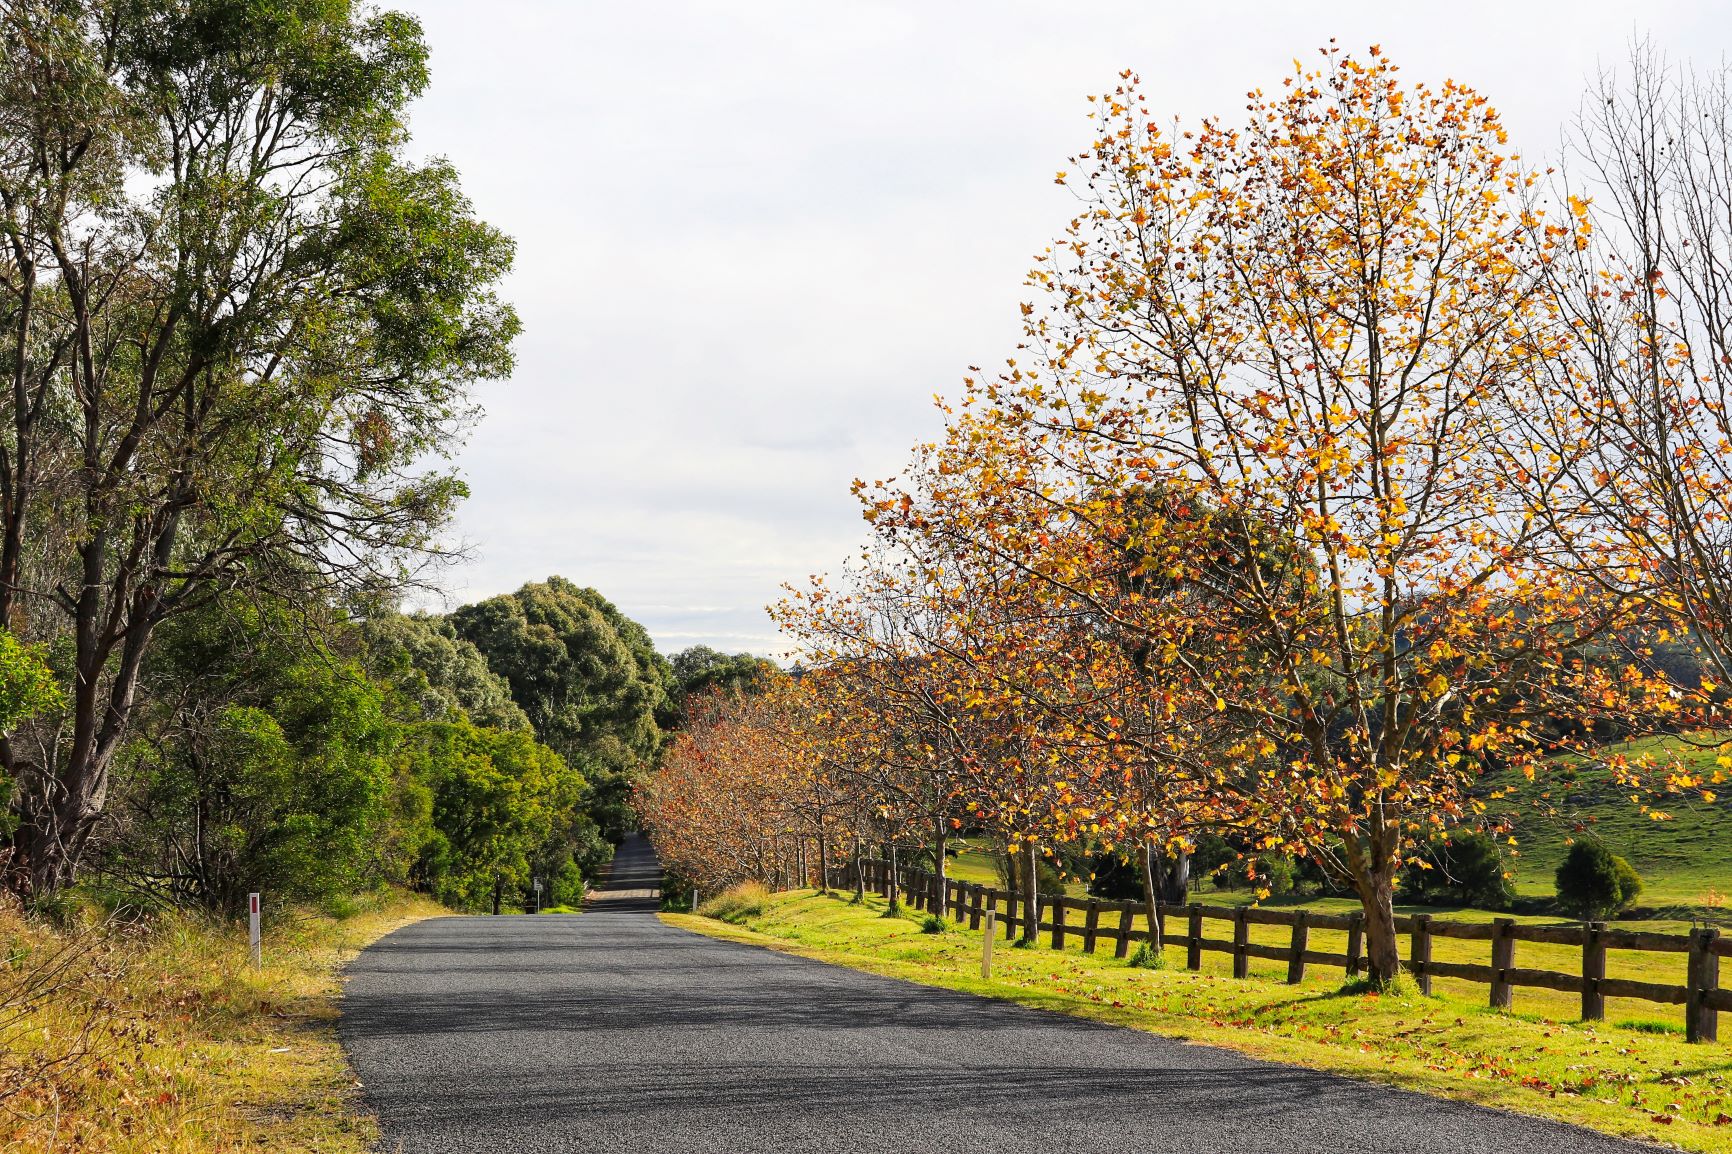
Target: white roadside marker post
[(253, 931), (986, 944)]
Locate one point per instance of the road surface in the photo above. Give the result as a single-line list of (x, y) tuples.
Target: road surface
[(610, 1031)]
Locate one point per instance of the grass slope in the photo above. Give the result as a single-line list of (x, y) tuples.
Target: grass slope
[(1685, 861), (164, 1040), (1643, 1083)]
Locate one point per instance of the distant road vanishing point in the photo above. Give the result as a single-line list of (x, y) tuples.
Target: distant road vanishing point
[(611, 1031)]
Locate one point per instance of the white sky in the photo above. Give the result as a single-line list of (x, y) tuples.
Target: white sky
[(755, 238)]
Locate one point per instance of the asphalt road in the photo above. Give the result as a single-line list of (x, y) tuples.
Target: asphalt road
[(611, 1031)]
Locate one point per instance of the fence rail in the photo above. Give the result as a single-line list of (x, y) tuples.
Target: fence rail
[(1115, 921)]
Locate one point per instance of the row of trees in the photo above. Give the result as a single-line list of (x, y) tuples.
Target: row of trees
[(1347, 458), (290, 749)]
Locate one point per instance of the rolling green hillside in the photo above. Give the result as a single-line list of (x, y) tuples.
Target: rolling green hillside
[(1685, 861)]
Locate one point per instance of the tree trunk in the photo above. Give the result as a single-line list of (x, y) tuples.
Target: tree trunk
[(1152, 896), (1370, 864), (1176, 882), (1031, 895), (893, 879), (1382, 945), (938, 892), (859, 874), (498, 893), (823, 861)]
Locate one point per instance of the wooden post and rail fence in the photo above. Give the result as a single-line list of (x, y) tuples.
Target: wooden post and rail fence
[(1701, 994)]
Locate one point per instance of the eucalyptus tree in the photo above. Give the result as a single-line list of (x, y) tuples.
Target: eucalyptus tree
[(236, 320)]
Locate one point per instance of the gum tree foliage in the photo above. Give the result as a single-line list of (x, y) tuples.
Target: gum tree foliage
[(499, 798), (236, 321), (438, 676), (587, 676), (27, 688), (699, 669), (263, 762)]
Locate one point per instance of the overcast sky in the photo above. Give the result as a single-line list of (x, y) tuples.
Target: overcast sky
[(755, 238)]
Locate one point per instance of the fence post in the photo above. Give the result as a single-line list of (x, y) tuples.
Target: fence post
[(1419, 952), (1241, 938), (1593, 970), (1297, 947), (1502, 958), (1091, 926), (1355, 944), (255, 946), (1123, 948), (1194, 951), (1057, 923), (1701, 1021), (986, 944), (975, 898)]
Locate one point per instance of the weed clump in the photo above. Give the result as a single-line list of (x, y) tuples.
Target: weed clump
[(1146, 957), (737, 904), (932, 925)]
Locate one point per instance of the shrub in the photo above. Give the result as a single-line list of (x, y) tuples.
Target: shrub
[(1464, 869), (736, 905), (933, 925), (1146, 957), (567, 887), (1275, 873), (1116, 877), (1211, 853), (1594, 882)]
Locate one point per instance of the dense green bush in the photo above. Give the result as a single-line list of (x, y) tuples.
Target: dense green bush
[(1464, 869), (263, 765), (1593, 882), (498, 798)]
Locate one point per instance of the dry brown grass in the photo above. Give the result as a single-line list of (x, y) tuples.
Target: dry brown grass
[(158, 1037)]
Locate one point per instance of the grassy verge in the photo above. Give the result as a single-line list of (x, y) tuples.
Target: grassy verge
[(1637, 1082), (162, 1039)]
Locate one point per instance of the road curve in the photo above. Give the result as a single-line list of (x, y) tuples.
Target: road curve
[(611, 1031)]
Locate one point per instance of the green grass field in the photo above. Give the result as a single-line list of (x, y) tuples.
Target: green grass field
[(1633, 1075)]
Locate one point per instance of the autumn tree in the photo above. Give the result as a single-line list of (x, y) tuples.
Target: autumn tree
[(1641, 288), (728, 800), (1321, 326), (911, 729)]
